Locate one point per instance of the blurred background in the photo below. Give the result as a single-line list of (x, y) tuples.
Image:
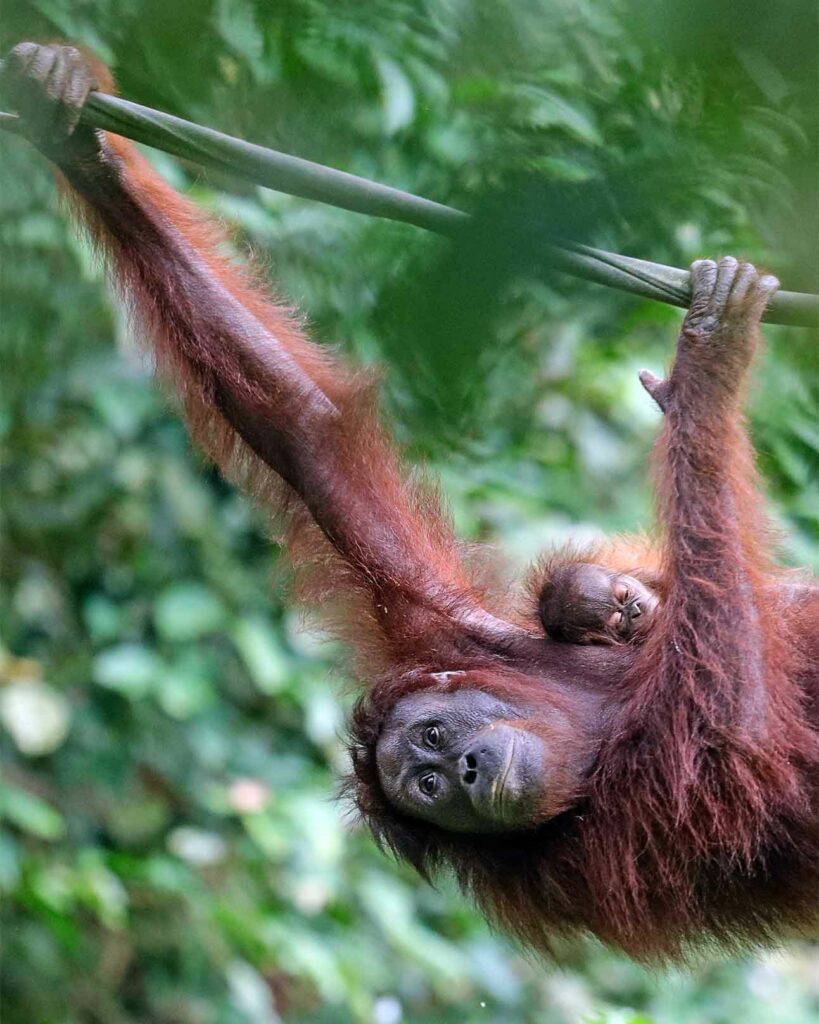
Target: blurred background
[(170, 851)]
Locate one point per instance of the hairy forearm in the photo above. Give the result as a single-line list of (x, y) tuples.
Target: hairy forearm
[(257, 393), (199, 329), (711, 508), (712, 554), (713, 662), (219, 341), (712, 644)]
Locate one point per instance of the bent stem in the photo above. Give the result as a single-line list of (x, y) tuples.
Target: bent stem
[(295, 176)]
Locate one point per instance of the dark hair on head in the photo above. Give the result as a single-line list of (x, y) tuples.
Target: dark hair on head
[(567, 613)]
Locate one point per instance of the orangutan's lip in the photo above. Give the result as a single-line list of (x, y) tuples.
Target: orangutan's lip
[(498, 789)]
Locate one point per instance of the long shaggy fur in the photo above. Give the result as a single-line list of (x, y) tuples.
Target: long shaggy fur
[(697, 820)]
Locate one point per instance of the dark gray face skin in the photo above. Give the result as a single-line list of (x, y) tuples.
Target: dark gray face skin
[(457, 760), (633, 606)]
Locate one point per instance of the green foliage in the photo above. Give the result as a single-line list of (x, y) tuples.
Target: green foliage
[(169, 850)]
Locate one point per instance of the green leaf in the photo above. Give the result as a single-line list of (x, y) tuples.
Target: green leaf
[(262, 653), (30, 814), (397, 95), (130, 669), (187, 611), (187, 688), (543, 108)]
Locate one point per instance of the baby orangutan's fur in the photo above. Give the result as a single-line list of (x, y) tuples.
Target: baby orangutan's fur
[(584, 600), (674, 803)]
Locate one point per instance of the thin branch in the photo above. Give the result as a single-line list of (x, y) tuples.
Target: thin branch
[(298, 177)]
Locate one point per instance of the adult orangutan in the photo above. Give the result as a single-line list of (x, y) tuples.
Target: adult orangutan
[(659, 795)]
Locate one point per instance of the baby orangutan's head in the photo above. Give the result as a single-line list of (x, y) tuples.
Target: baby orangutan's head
[(586, 603)]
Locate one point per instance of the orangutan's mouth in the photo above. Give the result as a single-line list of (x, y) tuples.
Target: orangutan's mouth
[(499, 788)]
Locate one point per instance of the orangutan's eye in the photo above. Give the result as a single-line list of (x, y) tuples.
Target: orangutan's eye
[(615, 620), (432, 737), (428, 784), (621, 593)]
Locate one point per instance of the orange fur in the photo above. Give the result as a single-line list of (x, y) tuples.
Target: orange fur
[(683, 773), (420, 568)]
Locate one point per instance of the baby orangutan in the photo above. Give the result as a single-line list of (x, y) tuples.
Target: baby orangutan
[(588, 603)]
